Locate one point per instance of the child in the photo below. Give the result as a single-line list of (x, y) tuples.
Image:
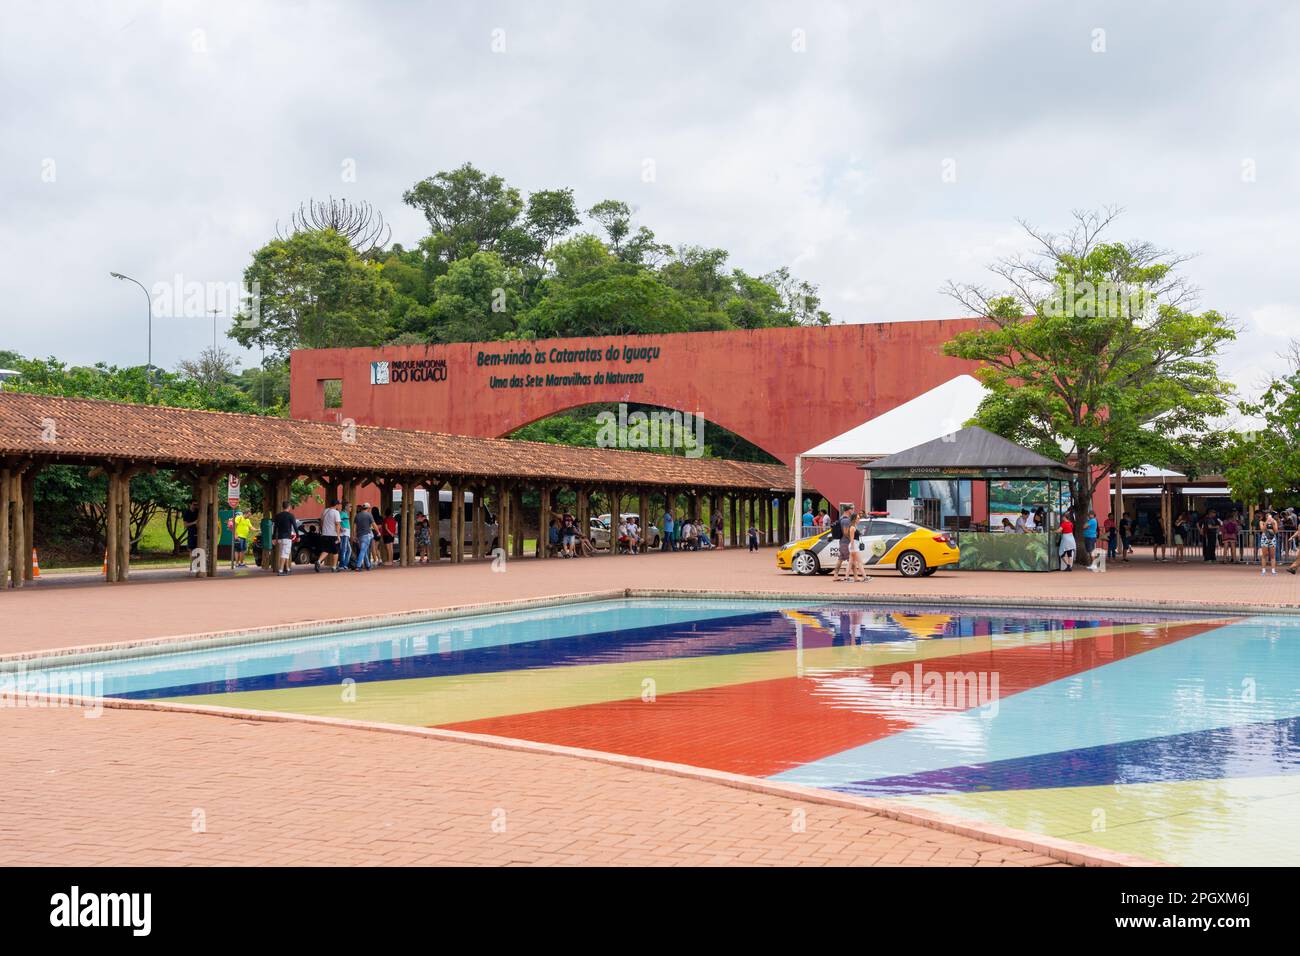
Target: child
[(753, 538), (422, 539)]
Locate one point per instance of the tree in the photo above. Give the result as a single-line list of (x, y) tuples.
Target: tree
[(467, 210), (214, 366), (360, 223), (1090, 350), (314, 292), (476, 300), (1266, 460)]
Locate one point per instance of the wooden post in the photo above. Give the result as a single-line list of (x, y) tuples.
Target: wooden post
[(480, 525), (643, 519), (5, 512), (542, 547), (28, 488), (214, 516)]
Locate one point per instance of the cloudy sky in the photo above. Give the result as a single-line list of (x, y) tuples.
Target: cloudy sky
[(165, 140)]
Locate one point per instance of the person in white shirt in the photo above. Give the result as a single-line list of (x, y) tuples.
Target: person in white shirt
[(633, 536), (1022, 522), (329, 533)]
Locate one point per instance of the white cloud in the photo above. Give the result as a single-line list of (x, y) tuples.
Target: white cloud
[(172, 160)]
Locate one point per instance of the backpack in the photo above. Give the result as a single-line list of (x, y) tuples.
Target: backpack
[(837, 531)]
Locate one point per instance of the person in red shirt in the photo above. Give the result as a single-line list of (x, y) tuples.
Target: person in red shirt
[(1066, 550)]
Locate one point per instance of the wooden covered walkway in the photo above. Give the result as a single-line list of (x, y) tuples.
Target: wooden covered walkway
[(123, 440)]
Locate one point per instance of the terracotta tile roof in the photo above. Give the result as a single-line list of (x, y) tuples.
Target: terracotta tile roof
[(79, 431)]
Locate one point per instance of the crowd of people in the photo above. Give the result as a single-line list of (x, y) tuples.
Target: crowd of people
[(568, 540)]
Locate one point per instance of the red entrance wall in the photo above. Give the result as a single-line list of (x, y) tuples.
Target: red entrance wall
[(785, 390)]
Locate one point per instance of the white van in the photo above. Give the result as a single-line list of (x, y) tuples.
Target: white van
[(444, 517)]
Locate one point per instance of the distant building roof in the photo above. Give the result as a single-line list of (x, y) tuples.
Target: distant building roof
[(970, 449)]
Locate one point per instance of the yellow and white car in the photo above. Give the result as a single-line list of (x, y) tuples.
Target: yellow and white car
[(914, 550)]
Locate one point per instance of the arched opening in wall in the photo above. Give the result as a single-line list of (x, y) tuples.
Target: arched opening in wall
[(637, 427), (632, 426)]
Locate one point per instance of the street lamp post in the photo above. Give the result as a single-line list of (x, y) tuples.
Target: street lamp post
[(148, 371)]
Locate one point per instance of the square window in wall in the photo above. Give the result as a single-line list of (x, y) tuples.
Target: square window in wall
[(333, 388)]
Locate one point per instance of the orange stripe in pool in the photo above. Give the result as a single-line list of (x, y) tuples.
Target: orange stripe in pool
[(765, 727)]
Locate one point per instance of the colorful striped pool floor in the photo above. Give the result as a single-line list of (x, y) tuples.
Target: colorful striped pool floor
[(1173, 739)]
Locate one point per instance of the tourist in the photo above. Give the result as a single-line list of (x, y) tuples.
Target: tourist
[(569, 535), (718, 529), (666, 531), (1158, 540), (329, 538), (1125, 536), (1228, 536), (1209, 526), (1268, 530), (702, 541), (389, 528), (1022, 522), (190, 516), (553, 538), (624, 537), (241, 532), (837, 542), (1182, 537), (345, 536), (1066, 549), (809, 519), (284, 531), (1112, 537), (753, 538), (633, 535), (857, 543), (1089, 536), (1007, 527), (365, 527), (1290, 527), (422, 539)]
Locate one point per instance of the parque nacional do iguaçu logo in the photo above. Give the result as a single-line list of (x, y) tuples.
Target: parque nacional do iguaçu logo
[(408, 370)]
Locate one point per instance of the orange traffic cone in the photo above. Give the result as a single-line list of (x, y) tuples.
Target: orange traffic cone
[(36, 565)]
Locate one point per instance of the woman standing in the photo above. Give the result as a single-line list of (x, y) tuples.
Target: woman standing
[(1268, 529), (857, 545), (1066, 550), (1182, 529), (1158, 551)]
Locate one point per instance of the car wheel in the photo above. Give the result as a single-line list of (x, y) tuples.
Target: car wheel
[(911, 564), (805, 562)]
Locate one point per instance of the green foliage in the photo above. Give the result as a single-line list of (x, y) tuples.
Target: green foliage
[(1267, 461), (315, 292), (1092, 353)]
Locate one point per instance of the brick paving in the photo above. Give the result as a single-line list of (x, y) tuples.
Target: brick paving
[(139, 787), (123, 788), (63, 610)]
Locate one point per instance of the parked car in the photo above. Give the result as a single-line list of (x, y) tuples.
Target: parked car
[(305, 549), (444, 519), (915, 550), (599, 531)]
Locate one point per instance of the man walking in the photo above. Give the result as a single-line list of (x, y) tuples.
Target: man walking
[(365, 525), (284, 529), (669, 542), (329, 537)]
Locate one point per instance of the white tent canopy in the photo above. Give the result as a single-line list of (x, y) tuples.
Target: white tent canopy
[(941, 411)]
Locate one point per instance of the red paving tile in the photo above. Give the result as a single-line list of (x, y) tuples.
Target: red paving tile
[(122, 789), (140, 787), (765, 727)]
